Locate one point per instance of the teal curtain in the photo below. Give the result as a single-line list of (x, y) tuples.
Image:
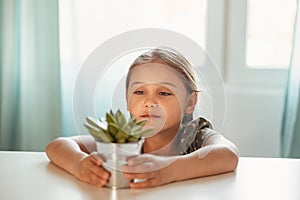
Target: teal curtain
[(30, 102), (291, 117)]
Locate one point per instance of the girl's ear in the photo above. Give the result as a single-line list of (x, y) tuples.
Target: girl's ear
[(192, 101)]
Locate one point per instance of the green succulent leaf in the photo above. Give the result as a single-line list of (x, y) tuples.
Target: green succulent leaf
[(121, 134), (120, 118), (98, 134), (96, 123), (143, 132), (113, 128), (110, 118), (116, 129), (142, 122), (133, 139)]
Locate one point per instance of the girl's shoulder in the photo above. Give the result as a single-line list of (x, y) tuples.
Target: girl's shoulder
[(194, 134)]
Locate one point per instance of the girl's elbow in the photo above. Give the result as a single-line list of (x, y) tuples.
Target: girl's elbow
[(52, 146), (233, 160)]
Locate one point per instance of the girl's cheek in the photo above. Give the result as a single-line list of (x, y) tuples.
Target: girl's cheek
[(129, 108)]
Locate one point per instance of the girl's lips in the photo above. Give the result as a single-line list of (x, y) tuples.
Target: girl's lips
[(150, 116)]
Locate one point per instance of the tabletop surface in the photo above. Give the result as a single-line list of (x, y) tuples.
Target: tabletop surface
[(30, 175)]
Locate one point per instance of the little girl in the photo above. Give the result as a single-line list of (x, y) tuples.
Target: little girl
[(160, 87)]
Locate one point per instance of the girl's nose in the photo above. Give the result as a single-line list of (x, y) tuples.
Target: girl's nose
[(150, 103)]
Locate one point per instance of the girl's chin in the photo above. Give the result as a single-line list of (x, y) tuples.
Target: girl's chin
[(156, 125)]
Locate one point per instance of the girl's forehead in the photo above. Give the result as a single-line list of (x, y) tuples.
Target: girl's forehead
[(155, 73), (158, 74)]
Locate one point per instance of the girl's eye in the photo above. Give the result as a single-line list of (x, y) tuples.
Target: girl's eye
[(139, 92), (165, 94)]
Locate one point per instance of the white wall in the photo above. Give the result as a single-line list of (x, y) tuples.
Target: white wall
[(253, 120)]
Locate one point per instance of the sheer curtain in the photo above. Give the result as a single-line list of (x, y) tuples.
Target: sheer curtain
[(291, 116), (29, 74)]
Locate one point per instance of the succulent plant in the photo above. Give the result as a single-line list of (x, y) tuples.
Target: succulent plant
[(116, 129)]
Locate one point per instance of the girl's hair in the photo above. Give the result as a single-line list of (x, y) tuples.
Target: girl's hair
[(171, 58)]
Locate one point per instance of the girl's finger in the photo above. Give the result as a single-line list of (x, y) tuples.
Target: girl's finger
[(99, 171), (96, 158), (140, 168), (145, 184), (96, 180), (139, 159), (139, 175)]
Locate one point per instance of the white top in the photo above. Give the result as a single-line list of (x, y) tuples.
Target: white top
[(30, 175)]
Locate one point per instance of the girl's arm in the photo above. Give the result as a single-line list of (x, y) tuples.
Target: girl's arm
[(72, 155), (67, 152), (216, 157)]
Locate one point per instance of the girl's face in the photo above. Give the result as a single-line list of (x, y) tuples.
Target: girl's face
[(157, 94)]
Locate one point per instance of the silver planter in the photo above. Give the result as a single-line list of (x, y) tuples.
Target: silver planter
[(115, 156)]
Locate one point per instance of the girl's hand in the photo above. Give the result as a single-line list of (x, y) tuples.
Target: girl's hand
[(152, 170), (90, 170)]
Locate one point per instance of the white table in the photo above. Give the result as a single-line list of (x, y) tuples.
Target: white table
[(30, 175)]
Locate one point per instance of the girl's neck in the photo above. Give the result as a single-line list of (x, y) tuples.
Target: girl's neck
[(161, 143)]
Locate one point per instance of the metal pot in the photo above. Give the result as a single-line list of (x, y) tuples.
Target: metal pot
[(115, 156)]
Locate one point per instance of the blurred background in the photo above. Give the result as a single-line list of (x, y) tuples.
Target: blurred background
[(254, 44)]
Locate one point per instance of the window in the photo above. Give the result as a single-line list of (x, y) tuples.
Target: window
[(269, 33), (258, 45)]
